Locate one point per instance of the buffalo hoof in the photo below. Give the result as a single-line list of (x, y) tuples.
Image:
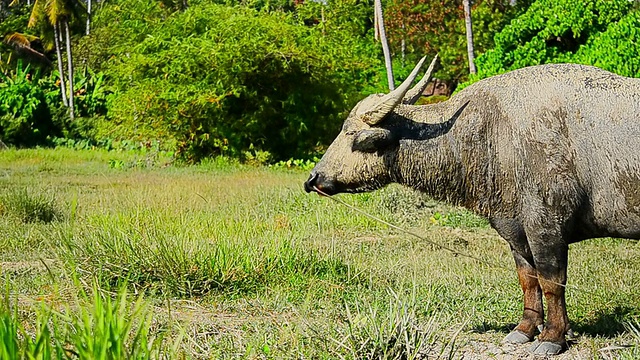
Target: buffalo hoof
[(517, 337), (546, 348)]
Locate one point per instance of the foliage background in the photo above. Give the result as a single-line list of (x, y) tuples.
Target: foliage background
[(274, 86), (272, 80), (600, 33)]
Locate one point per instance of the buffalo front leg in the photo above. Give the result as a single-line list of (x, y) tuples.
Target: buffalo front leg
[(533, 314), (551, 264)]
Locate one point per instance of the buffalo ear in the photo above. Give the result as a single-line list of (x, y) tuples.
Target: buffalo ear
[(372, 140)]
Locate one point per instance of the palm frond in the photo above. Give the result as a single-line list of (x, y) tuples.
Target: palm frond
[(22, 45), (57, 10), (19, 39), (37, 13)]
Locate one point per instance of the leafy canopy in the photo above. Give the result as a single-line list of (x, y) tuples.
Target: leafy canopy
[(597, 32)]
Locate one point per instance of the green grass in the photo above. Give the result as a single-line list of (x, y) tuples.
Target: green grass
[(238, 262), (94, 326), (29, 207)]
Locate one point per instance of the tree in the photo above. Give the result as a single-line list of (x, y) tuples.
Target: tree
[(469, 32), (88, 30), (63, 91), (24, 45), (65, 22), (599, 32), (13, 19), (427, 27), (383, 40), (57, 14)]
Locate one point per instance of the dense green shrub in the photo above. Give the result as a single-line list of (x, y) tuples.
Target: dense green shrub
[(598, 32), (241, 80), (615, 49), (25, 119), (32, 113)]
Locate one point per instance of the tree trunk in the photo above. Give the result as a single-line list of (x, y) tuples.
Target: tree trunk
[(385, 44), (403, 45), (467, 19), (70, 67), (88, 16), (63, 90), (376, 33)]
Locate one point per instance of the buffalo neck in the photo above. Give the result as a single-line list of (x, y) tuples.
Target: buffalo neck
[(432, 167), (433, 164)]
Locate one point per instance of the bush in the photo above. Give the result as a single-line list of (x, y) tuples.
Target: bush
[(25, 119), (615, 49), (241, 81), (598, 32)]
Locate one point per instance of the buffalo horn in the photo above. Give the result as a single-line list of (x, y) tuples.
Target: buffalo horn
[(414, 94), (376, 113)]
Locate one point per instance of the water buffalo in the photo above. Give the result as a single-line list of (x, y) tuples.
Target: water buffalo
[(550, 154)]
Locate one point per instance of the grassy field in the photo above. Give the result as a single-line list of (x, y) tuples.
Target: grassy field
[(108, 255)]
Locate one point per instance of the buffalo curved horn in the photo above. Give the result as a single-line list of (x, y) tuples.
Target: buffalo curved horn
[(382, 107), (414, 94)]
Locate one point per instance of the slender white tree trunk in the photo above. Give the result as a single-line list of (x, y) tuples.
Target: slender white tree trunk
[(70, 67), (376, 31), (403, 46), (385, 44), (88, 16), (63, 89), (467, 20)]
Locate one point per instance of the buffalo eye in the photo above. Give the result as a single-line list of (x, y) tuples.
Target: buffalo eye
[(372, 140)]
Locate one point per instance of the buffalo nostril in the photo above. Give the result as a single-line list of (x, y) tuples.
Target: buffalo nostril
[(310, 183)]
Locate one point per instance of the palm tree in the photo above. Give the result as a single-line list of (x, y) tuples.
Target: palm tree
[(70, 70), (467, 20), (57, 14), (63, 90)]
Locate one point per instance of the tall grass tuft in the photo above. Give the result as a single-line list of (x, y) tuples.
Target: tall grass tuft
[(17, 343), (102, 329), (110, 329), (394, 331), (9, 341), (29, 206)]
